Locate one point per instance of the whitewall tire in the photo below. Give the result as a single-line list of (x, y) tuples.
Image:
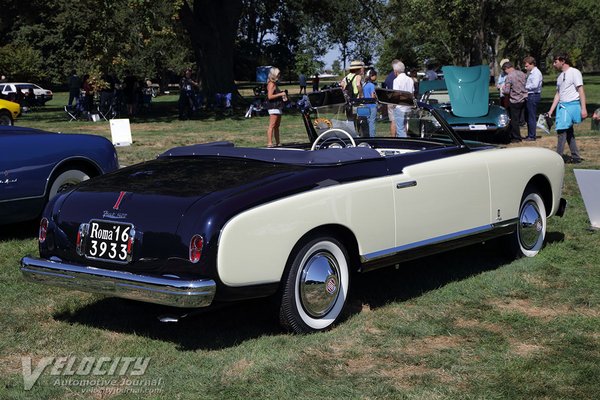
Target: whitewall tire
[(65, 180), (315, 286), (528, 239)]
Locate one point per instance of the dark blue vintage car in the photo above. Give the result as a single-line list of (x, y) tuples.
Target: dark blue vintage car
[(35, 165), (208, 224)]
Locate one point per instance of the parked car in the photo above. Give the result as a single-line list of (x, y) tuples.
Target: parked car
[(9, 91), (35, 165), (208, 224), (9, 111), (462, 98)]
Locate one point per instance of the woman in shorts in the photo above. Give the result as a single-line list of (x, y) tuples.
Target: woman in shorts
[(276, 98)]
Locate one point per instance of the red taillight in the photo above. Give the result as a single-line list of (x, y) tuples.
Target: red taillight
[(43, 230), (196, 244), (80, 242)]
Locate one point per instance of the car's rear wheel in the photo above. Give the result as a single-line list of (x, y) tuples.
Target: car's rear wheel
[(528, 238), (5, 118), (65, 180), (315, 286)]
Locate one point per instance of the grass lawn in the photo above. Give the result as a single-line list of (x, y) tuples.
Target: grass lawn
[(468, 324)]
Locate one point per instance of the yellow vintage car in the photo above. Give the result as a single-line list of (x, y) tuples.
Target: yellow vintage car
[(9, 111)]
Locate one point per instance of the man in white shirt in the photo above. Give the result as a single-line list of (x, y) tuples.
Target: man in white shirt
[(570, 105), (534, 95), (389, 84), (405, 83)]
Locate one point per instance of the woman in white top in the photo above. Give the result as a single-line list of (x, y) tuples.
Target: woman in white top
[(275, 98)]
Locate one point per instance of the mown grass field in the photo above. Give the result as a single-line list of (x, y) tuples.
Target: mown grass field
[(468, 324)]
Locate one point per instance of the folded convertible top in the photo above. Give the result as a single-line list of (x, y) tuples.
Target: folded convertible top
[(276, 155)]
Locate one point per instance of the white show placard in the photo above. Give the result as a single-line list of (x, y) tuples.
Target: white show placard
[(588, 181), (120, 132)]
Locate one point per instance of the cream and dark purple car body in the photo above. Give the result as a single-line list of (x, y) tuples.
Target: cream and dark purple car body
[(214, 223)]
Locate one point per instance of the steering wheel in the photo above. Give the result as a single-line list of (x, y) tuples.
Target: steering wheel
[(314, 145)]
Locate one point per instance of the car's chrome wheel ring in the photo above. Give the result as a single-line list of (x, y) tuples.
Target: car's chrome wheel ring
[(531, 225), (319, 284)]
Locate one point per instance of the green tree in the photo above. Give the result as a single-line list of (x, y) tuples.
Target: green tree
[(213, 29), (108, 35), (336, 67), (21, 63), (547, 26), (457, 32)]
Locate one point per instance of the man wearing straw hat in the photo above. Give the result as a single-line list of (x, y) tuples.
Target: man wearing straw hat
[(354, 78)]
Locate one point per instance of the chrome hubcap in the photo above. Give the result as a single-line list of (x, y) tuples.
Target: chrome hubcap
[(530, 225), (319, 284)]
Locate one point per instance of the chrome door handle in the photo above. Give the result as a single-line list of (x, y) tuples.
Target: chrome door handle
[(408, 184)]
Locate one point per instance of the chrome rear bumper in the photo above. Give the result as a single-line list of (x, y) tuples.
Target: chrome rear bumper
[(169, 291)]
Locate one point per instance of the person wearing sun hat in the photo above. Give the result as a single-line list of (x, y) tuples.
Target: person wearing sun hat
[(500, 83), (354, 78)]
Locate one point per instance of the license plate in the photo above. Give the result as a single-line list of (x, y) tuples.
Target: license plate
[(478, 127), (110, 241)]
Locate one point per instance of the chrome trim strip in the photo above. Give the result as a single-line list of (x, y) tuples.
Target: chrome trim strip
[(440, 239), (23, 198), (159, 290)]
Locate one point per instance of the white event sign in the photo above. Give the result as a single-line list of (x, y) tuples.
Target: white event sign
[(120, 132), (589, 186)]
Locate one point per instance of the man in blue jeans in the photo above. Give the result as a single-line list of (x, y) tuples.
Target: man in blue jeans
[(570, 105), (534, 95)]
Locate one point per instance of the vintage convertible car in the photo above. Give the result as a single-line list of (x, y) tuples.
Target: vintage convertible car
[(463, 99), (213, 223), (9, 111), (35, 165)]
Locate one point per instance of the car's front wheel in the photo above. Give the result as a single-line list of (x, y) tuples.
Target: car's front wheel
[(528, 238), (315, 286), (65, 180)]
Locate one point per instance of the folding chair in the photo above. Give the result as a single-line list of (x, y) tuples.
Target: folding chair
[(78, 110), (72, 113), (109, 113)]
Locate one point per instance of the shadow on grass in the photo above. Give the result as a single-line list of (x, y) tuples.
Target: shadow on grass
[(417, 277), (232, 324), (19, 231)]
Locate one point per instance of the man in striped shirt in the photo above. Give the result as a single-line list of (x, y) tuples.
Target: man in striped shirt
[(514, 88)]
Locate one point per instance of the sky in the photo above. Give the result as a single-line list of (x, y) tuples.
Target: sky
[(330, 57)]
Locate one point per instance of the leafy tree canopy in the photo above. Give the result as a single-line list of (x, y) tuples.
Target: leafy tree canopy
[(228, 39)]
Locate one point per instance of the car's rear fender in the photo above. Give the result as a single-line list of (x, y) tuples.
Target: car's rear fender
[(255, 245)]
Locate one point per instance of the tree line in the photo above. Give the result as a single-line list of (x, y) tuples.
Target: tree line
[(225, 40)]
